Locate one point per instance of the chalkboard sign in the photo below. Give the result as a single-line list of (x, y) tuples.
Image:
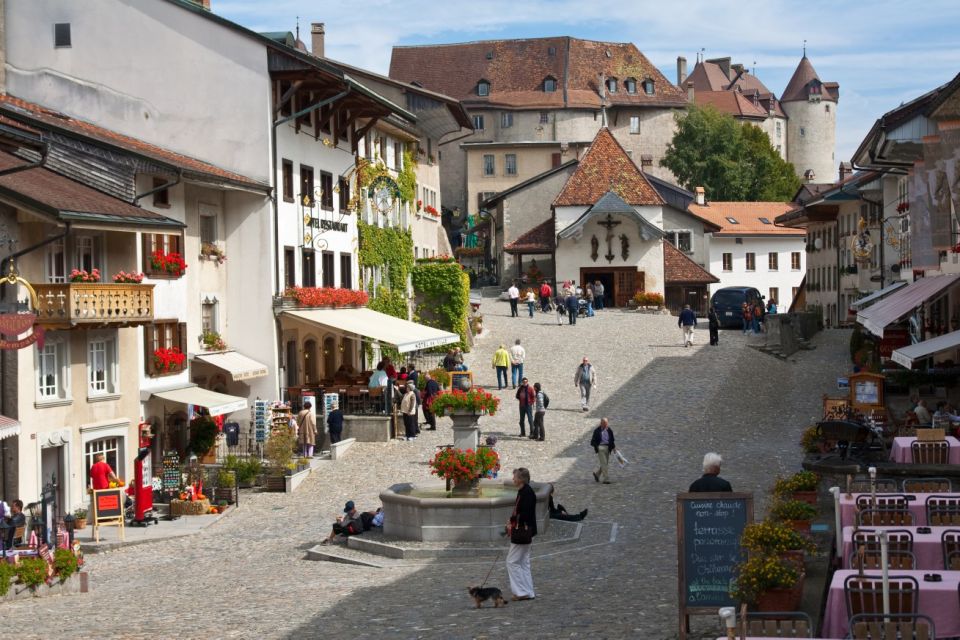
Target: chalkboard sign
[(171, 471), (709, 526)]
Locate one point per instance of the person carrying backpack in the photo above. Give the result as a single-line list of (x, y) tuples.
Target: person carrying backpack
[(542, 402)]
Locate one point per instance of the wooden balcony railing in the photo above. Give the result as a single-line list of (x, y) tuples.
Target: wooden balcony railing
[(83, 303)]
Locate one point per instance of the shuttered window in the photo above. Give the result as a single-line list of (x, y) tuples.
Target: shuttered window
[(163, 334)]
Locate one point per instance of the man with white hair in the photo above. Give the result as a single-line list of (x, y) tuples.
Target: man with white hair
[(710, 481)]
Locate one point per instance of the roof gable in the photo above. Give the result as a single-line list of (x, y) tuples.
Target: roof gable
[(748, 218), (678, 268), (540, 239), (606, 167)]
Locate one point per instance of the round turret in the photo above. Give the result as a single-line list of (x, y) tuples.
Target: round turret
[(811, 108)]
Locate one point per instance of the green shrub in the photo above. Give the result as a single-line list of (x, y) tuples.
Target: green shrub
[(279, 450), (793, 510), (248, 470), (203, 434), (65, 563), (7, 571), (32, 572), (226, 479)]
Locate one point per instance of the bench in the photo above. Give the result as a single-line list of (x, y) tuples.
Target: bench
[(339, 449)]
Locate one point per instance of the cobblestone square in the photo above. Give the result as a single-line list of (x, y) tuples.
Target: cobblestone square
[(247, 577)]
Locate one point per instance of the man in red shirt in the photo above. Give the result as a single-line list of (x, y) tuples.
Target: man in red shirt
[(101, 474)]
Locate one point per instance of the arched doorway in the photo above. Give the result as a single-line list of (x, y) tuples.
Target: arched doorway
[(310, 361), (329, 356)]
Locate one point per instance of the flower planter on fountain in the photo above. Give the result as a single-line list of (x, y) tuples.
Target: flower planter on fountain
[(465, 407)]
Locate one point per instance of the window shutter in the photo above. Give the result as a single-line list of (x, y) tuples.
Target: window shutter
[(149, 331), (175, 243), (555, 160), (182, 339), (145, 242)]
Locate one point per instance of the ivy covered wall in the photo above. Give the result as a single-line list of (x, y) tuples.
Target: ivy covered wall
[(442, 295), (391, 250)]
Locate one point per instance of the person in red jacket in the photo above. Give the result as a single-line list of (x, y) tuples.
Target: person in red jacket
[(101, 473), (546, 292), (528, 400)]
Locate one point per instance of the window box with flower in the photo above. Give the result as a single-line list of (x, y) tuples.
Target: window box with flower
[(432, 211), (82, 275), (210, 251), (212, 341), (169, 360), (122, 277), (171, 264), (314, 297)]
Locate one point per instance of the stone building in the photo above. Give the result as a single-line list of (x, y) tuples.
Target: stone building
[(801, 124), (537, 103)]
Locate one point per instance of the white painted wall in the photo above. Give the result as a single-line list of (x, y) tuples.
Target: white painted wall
[(784, 278)]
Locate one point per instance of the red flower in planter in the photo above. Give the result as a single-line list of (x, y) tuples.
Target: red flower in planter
[(327, 297), (172, 263), (168, 359)]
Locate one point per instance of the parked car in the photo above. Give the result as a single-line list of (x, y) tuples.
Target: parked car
[(729, 304)]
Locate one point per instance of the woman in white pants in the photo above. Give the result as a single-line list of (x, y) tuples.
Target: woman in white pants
[(522, 529)]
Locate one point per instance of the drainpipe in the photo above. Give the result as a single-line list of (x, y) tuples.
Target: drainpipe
[(167, 185), (44, 150)]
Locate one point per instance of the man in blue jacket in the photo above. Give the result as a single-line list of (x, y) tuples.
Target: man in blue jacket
[(687, 321)]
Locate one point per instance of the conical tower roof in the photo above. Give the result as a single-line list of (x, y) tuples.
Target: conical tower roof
[(796, 90)]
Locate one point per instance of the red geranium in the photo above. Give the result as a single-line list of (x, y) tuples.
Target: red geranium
[(461, 465), (432, 211), (172, 263), (168, 359), (327, 297), (476, 400)]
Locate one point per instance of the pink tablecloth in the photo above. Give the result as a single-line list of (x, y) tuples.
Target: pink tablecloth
[(901, 451), (926, 546), (937, 600), (918, 507)]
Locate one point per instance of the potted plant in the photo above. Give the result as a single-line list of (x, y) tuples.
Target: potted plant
[(279, 454), (464, 467), (476, 401), (80, 518), (122, 277), (203, 435), (812, 442), (81, 275), (800, 486), (210, 251), (795, 513), (770, 537), (768, 582), (226, 490), (212, 341), (171, 263)]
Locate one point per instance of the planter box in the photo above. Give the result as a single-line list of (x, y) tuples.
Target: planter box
[(782, 599), (274, 483), (810, 497), (230, 495), (291, 482), (77, 583), (803, 526), (189, 507)]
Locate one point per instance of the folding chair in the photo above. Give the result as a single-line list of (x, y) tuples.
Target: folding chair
[(785, 624), (897, 560), (927, 485), (937, 452), (899, 627), (943, 511), (869, 539), (950, 543), (864, 595), (885, 518)]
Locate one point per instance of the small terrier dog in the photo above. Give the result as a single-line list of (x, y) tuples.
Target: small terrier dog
[(482, 594)]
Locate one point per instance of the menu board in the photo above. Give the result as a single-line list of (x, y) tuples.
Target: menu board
[(709, 526), (171, 471), (107, 504), (259, 418)]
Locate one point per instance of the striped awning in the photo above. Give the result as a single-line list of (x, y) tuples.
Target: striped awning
[(9, 427), (239, 366)]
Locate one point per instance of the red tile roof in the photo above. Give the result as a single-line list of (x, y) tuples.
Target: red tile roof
[(16, 109), (54, 194), (678, 268), (747, 216), (540, 239), (606, 167), (731, 102), (517, 68), (720, 75), (804, 74)]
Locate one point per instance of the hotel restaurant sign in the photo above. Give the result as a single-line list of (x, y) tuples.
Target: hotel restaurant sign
[(19, 329)]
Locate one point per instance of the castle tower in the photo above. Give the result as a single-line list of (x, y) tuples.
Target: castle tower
[(811, 108)]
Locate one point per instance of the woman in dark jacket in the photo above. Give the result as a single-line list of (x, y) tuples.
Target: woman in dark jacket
[(714, 321), (523, 526)]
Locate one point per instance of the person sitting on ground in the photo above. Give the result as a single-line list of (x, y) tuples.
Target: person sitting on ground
[(372, 519), (558, 512), (710, 481), (349, 524)]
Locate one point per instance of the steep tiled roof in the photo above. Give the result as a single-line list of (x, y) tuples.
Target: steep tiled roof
[(709, 75), (731, 102), (678, 268), (540, 239), (747, 216), (804, 74), (38, 115), (517, 68), (604, 167), (53, 194)]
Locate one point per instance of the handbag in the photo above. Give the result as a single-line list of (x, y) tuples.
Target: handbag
[(518, 534)]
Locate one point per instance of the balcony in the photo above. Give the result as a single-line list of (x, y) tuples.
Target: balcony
[(74, 304)]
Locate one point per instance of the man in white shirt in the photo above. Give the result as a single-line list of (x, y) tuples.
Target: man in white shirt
[(514, 294), (517, 356)]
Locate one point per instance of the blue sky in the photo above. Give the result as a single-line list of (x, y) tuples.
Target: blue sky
[(882, 52)]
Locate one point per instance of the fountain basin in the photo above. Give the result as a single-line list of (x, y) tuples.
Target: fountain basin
[(412, 512)]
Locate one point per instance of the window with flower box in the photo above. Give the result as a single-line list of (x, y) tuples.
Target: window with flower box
[(162, 255), (165, 347)]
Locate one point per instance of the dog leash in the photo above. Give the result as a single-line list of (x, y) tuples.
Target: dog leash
[(491, 569)]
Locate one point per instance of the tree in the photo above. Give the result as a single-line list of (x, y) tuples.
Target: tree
[(730, 160)]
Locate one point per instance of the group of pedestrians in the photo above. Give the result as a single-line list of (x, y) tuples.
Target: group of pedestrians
[(754, 315)]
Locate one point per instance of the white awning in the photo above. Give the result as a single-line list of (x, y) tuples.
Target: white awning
[(239, 366), (404, 335), (908, 355), (900, 303), (876, 295), (216, 403), (8, 427)]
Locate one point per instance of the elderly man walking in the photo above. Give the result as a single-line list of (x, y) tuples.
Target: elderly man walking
[(710, 481), (408, 407), (585, 379), (687, 321), (603, 444), (517, 356)]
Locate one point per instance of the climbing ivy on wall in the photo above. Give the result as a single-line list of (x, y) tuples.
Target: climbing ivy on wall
[(391, 249), (407, 178), (442, 291)]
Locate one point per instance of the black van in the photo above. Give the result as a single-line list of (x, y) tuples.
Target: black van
[(729, 304)]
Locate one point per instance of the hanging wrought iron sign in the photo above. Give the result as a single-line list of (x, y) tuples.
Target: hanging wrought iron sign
[(384, 192), (316, 220), (19, 329), (862, 245)]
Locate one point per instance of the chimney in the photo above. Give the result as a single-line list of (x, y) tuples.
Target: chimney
[(317, 33), (846, 170), (737, 68), (681, 70), (700, 196), (690, 92), (603, 87)]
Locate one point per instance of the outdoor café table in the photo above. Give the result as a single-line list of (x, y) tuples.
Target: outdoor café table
[(937, 600), (918, 507), (901, 451), (926, 546)]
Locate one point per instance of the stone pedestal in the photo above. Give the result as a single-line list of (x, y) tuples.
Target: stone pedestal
[(466, 430)]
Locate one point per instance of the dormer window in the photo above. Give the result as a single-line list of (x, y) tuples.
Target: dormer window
[(549, 84), (765, 220), (612, 85), (483, 88), (630, 85), (648, 87), (732, 220)]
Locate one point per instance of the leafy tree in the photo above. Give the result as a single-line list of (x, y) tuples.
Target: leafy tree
[(730, 160)]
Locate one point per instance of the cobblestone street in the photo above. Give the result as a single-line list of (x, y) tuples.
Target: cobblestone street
[(246, 577)]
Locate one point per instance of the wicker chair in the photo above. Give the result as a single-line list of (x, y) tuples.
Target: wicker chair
[(899, 627), (927, 485)]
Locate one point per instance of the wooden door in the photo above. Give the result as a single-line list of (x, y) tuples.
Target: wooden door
[(624, 286)]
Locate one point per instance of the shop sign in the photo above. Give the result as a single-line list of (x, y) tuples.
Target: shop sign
[(16, 324), (892, 340), (327, 225)]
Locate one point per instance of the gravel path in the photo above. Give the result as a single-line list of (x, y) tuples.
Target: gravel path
[(245, 576)]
